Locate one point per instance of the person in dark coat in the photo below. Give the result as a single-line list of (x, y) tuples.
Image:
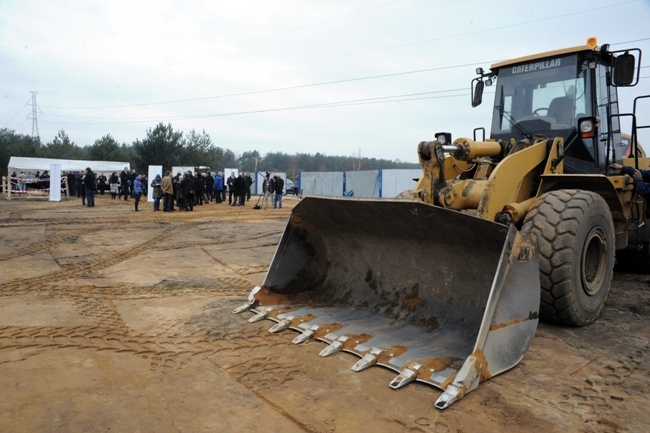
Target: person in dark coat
[(641, 180), (208, 181), (101, 183), (239, 190), (157, 192), (279, 189), (125, 176), (45, 180), (14, 181), (230, 183), (198, 189), (132, 177), (114, 185), (72, 184), (177, 185), (89, 186), (81, 189), (249, 183), (187, 192)]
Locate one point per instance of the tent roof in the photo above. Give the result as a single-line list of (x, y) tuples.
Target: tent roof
[(33, 164)]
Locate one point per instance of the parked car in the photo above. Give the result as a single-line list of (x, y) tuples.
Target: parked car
[(290, 187)]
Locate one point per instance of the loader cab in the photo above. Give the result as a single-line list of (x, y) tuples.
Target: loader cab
[(562, 94)]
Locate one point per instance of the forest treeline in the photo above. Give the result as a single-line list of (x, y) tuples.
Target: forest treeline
[(163, 145)]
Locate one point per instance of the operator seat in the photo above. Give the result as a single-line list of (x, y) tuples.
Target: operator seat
[(564, 108)]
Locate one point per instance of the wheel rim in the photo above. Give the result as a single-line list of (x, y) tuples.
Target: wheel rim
[(593, 261)]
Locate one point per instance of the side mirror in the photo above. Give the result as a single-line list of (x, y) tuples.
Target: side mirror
[(477, 92), (624, 70)]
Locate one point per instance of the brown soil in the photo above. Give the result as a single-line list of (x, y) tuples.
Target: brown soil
[(112, 320)]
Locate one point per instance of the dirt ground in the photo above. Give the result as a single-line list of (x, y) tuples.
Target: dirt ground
[(117, 321)]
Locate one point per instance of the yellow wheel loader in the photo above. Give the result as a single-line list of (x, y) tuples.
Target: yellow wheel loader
[(446, 287)]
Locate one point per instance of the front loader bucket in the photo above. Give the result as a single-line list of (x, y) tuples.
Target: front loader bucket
[(438, 296)]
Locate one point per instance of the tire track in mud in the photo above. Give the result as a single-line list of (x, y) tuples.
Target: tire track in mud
[(600, 399), (170, 343), (253, 270), (213, 242), (270, 402), (86, 268), (108, 223), (104, 221), (165, 350), (102, 338), (101, 310), (49, 242), (60, 220), (231, 287)]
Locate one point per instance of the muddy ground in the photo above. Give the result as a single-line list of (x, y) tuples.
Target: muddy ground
[(116, 321)]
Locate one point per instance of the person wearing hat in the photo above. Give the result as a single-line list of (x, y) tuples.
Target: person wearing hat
[(157, 192), (267, 188)]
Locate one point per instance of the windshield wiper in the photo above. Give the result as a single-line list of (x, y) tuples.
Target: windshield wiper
[(513, 122)]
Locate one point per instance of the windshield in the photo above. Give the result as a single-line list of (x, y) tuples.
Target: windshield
[(542, 95)]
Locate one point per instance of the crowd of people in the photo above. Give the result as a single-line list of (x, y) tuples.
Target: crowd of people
[(20, 181), (182, 191)]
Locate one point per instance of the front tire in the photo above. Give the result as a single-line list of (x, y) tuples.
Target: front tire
[(575, 240)]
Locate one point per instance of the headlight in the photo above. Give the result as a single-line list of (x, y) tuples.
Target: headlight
[(588, 127), (443, 137)]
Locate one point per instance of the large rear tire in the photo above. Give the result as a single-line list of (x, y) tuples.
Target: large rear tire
[(575, 239)]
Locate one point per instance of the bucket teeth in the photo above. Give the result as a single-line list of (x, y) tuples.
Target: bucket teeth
[(335, 346), (251, 301), (251, 295), (447, 398), (307, 334), (281, 325), (368, 360), (408, 375), (242, 308), (259, 316)]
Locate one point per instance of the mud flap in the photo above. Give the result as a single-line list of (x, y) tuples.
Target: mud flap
[(438, 296)]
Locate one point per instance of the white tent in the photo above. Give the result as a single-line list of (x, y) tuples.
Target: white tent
[(32, 165)]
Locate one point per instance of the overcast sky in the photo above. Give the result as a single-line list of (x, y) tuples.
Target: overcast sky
[(369, 77)]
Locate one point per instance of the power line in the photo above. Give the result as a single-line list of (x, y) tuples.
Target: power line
[(330, 104), (381, 99), (17, 113), (279, 89), (376, 100)]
